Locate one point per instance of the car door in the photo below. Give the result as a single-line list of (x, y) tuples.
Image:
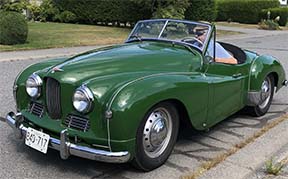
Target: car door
[(226, 88)]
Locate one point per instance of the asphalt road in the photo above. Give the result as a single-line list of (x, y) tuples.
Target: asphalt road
[(192, 149)]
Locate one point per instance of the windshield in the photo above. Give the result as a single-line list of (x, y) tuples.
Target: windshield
[(192, 33)]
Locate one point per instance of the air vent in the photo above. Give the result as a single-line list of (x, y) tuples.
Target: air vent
[(37, 109), (77, 122)]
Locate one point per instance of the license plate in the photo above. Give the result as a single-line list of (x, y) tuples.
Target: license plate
[(37, 140)]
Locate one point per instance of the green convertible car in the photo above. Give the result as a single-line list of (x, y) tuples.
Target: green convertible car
[(125, 103)]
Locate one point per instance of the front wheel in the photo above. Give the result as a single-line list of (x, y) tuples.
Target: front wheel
[(266, 96), (156, 136)]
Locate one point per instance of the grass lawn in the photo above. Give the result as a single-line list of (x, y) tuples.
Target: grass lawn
[(53, 35), (56, 35)]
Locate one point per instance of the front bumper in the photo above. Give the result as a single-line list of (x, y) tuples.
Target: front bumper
[(65, 147)]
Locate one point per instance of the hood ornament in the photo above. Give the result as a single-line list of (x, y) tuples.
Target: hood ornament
[(56, 69)]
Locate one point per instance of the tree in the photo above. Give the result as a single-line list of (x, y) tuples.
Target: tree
[(170, 8)]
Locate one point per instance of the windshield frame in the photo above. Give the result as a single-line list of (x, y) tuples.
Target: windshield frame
[(166, 21)]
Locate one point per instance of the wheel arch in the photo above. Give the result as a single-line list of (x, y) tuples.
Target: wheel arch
[(262, 67)]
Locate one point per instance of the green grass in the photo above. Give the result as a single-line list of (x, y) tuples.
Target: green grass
[(57, 35)]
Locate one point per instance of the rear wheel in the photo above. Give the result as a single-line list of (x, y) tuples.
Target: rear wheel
[(266, 96), (156, 136)]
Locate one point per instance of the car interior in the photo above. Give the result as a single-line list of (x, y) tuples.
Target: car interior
[(237, 52)]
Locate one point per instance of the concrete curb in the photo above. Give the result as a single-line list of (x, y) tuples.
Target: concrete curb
[(247, 160)]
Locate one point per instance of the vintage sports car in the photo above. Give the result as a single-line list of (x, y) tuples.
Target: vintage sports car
[(126, 102)]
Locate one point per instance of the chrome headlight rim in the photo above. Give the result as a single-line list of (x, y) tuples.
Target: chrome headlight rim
[(88, 96), (38, 84)]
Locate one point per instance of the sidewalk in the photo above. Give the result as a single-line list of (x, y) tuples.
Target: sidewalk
[(44, 53), (249, 162), (249, 33)]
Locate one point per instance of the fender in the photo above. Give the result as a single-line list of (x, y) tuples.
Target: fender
[(130, 104), (263, 66), (19, 88), (38, 67)]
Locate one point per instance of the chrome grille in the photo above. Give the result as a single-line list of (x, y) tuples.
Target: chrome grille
[(53, 98), (37, 109), (77, 122)]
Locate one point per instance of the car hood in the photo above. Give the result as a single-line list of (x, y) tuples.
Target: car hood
[(128, 58), (107, 68)]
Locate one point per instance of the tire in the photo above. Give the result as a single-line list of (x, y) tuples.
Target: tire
[(263, 107), (156, 136)]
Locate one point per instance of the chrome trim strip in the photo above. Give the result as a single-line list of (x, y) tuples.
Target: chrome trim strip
[(65, 147), (162, 30)]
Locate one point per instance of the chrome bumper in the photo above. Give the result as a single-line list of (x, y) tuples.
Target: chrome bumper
[(285, 83), (64, 146)]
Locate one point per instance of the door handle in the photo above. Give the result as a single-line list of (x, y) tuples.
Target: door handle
[(237, 75)]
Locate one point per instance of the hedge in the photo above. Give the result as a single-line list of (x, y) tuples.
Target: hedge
[(112, 11), (281, 11), (201, 10), (13, 28), (244, 11)]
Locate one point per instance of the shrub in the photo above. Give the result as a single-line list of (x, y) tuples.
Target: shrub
[(244, 11), (13, 28), (269, 25), (49, 10), (282, 12), (17, 6), (174, 9), (201, 10), (112, 11), (65, 16)]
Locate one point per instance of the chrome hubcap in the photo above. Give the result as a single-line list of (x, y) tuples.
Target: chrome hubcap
[(157, 132), (265, 93)]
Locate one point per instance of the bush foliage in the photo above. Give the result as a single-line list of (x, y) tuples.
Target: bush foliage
[(244, 11), (13, 28), (201, 10), (112, 11), (174, 9), (282, 12)]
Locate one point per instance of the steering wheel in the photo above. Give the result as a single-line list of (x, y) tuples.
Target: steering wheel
[(193, 39)]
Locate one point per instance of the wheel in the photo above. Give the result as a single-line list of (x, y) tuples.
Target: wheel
[(267, 92), (156, 136)]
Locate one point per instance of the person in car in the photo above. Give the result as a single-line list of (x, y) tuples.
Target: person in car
[(221, 54)]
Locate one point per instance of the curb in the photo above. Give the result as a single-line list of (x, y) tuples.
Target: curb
[(247, 160)]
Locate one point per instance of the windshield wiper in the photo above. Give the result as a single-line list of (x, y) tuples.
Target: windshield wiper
[(138, 37)]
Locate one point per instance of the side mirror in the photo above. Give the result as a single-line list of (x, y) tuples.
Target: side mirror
[(208, 59)]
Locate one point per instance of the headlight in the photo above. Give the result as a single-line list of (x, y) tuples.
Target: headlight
[(33, 86), (83, 99)]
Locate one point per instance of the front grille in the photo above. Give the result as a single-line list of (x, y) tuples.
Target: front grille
[(53, 100), (77, 122), (37, 109)]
